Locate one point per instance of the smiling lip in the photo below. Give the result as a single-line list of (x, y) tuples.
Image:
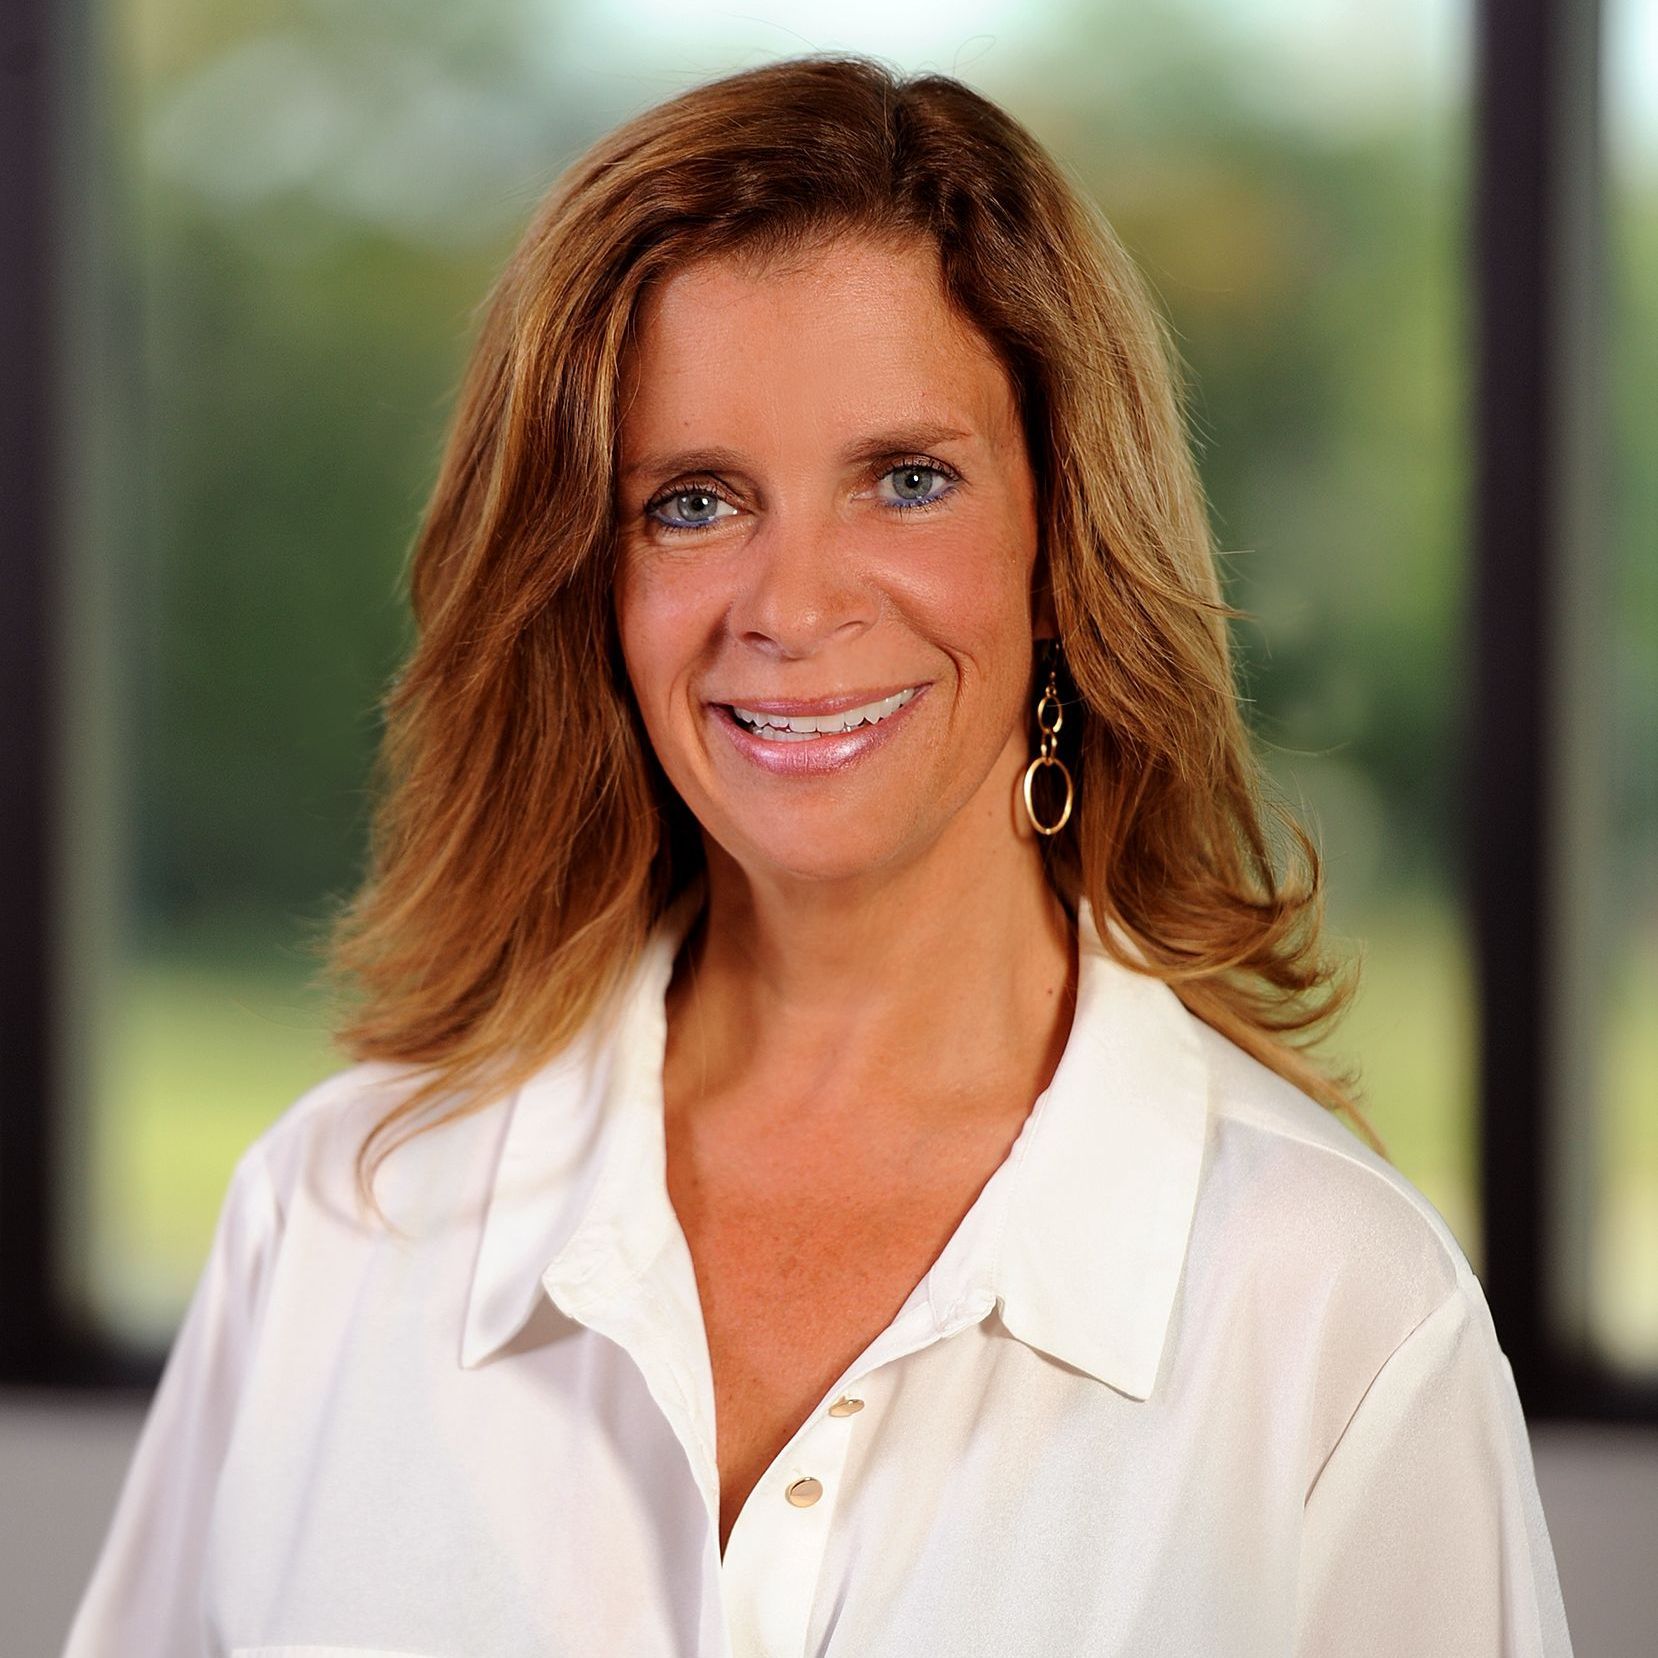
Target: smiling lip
[(801, 708), (823, 755)]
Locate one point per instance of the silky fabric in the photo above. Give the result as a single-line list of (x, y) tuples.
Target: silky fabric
[(1197, 1374)]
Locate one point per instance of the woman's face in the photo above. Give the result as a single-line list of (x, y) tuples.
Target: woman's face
[(826, 513)]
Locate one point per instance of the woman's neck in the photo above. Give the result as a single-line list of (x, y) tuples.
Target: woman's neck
[(917, 994)]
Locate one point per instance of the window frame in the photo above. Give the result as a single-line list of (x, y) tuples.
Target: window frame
[(1535, 762)]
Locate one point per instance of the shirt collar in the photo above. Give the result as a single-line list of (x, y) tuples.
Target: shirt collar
[(1080, 1235)]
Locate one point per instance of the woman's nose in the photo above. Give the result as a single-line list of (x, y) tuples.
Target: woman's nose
[(800, 586)]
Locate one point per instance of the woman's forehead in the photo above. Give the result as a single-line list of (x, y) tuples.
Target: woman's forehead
[(853, 332), (837, 285)]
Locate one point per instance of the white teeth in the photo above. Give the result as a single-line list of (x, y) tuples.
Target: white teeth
[(779, 728)]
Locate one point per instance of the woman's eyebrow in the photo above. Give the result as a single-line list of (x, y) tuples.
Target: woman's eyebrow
[(898, 440)]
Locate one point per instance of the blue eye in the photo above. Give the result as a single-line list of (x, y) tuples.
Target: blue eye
[(703, 509), (920, 478), (916, 485)]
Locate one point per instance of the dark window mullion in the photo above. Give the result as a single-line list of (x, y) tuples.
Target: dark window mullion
[(65, 371), (28, 843), (1535, 772)]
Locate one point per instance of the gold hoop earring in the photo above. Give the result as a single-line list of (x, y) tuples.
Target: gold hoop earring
[(1049, 717)]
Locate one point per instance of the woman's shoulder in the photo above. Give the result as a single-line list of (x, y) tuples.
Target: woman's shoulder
[(1306, 1218), (309, 1151), (1323, 1270)]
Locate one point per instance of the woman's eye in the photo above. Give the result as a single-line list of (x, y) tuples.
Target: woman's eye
[(688, 509), (915, 485)]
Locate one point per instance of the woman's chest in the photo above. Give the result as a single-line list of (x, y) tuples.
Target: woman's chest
[(792, 1292), (984, 1499)]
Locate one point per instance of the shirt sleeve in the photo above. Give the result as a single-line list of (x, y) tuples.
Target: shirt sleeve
[(144, 1598), (1424, 1534)]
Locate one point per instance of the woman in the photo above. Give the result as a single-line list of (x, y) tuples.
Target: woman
[(857, 1188)]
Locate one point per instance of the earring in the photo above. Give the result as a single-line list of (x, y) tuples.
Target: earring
[(1049, 717)]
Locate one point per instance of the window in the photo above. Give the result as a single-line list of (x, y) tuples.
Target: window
[(1625, 1293)]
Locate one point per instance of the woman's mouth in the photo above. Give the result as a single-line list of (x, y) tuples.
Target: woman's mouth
[(784, 728), (793, 743)]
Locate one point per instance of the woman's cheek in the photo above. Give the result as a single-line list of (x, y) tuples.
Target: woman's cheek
[(965, 593), (659, 621)]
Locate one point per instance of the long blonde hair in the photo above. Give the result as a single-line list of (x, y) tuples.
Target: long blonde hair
[(525, 841)]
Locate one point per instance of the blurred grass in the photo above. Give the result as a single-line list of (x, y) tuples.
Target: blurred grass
[(215, 1041), (212, 1043), (1410, 1030), (1624, 1295)]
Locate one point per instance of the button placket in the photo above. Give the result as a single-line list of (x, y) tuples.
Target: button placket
[(812, 1468), (806, 1490), (773, 1560)]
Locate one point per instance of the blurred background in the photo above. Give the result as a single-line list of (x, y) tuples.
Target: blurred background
[(292, 209)]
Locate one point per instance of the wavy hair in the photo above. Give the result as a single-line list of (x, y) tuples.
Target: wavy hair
[(524, 840)]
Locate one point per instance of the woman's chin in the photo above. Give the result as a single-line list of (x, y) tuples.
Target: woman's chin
[(817, 848)]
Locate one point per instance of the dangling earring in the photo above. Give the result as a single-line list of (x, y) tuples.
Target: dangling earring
[(1049, 717)]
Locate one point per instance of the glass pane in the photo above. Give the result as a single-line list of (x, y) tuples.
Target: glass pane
[(322, 196), (1625, 1293)]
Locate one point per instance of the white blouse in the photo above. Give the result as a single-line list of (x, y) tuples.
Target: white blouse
[(1197, 1374)]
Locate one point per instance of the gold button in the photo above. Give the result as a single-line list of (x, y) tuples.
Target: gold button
[(803, 1493), (844, 1406)]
